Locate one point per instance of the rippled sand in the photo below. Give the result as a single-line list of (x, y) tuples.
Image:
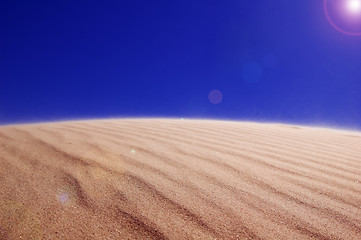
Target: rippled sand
[(178, 179)]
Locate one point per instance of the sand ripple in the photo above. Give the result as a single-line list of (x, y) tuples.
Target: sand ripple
[(178, 179)]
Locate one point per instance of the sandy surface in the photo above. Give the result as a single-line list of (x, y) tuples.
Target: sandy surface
[(178, 179)]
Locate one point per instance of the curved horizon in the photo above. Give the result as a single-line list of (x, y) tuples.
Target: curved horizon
[(308, 125)]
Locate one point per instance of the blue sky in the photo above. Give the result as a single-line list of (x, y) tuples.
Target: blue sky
[(279, 61)]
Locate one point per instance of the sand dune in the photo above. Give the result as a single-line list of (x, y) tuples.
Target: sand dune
[(178, 179)]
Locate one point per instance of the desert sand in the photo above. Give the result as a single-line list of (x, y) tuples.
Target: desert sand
[(178, 179)]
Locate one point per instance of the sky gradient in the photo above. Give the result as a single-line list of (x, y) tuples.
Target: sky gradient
[(278, 61)]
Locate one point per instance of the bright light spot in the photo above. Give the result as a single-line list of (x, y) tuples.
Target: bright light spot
[(67, 195), (133, 151), (346, 17), (354, 6), (63, 198)]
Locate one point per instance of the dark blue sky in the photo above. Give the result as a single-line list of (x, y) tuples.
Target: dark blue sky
[(271, 60)]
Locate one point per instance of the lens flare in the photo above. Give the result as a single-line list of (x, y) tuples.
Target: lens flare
[(354, 6), (215, 96), (344, 15)]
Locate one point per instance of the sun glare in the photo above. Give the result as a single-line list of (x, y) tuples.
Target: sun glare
[(354, 6)]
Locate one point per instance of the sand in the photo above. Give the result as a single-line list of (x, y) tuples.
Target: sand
[(178, 179)]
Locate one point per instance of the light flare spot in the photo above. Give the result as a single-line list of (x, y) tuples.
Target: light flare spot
[(215, 96), (63, 198), (66, 195)]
